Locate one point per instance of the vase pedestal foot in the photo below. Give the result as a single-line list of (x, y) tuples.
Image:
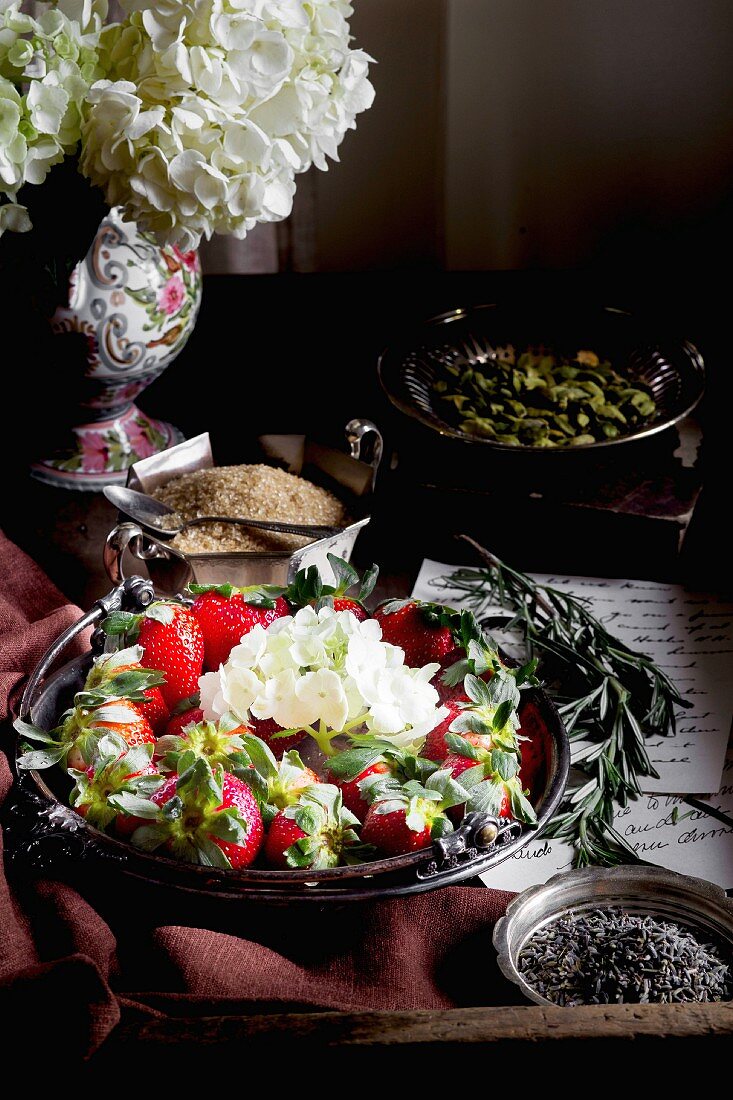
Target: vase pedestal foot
[(101, 452)]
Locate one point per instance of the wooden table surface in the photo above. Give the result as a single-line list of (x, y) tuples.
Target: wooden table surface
[(323, 345)]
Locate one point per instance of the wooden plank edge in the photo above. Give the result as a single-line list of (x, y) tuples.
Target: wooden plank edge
[(460, 1025)]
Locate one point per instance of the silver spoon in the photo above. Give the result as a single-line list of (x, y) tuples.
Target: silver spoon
[(148, 512)]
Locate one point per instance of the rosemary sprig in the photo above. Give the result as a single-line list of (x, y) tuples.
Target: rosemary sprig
[(611, 698)]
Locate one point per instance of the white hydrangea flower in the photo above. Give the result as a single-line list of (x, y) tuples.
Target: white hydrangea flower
[(211, 690), (239, 691), (323, 691), (239, 95), (399, 698), (325, 672), (47, 65)]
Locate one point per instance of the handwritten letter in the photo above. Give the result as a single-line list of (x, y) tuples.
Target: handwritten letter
[(697, 844)]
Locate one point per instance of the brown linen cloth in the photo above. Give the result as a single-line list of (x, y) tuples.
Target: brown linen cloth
[(60, 957)]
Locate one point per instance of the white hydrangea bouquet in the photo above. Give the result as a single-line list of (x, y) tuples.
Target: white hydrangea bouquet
[(194, 116)]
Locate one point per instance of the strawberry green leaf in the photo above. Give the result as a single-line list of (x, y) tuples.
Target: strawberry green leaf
[(502, 687), (256, 783), (261, 755), (389, 607), (522, 808), (35, 733), (259, 599), (304, 853), (442, 826), (121, 622), (470, 722), (345, 574), (226, 590), (305, 588), (173, 809), (368, 581), (486, 797), (211, 855), (310, 819), (389, 805), (349, 764), (191, 703), (505, 763), (38, 759), (463, 747), (456, 673), (134, 806), (526, 674), (473, 776), (160, 613), (477, 691), (451, 792), (229, 826), (502, 715)]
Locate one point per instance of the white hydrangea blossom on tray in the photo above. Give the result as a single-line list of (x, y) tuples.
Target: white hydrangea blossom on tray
[(327, 673)]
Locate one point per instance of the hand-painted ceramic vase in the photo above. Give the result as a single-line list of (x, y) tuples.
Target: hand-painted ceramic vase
[(136, 305)]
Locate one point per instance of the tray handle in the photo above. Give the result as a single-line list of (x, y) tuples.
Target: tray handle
[(133, 594), (477, 833), (128, 536)]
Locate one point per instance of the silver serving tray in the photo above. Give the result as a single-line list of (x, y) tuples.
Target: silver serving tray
[(51, 833)]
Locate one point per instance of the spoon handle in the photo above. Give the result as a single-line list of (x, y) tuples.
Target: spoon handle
[(316, 530)]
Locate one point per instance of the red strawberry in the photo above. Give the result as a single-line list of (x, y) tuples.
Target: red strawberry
[(226, 615), (120, 675), (114, 770), (352, 796), (314, 833), (266, 728), (409, 819), (171, 642), (217, 822), (493, 786), (83, 729), (277, 784), (178, 722), (154, 709), (435, 747), (416, 628), (343, 603)]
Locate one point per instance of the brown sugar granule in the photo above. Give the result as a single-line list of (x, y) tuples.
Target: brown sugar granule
[(254, 492)]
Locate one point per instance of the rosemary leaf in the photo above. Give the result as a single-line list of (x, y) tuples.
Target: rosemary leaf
[(611, 698)]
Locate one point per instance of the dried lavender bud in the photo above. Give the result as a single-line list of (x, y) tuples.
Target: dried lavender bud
[(610, 956)]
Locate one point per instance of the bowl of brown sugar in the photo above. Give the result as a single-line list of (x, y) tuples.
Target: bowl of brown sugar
[(186, 479)]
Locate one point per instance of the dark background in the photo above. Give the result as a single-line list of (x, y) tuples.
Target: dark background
[(523, 150)]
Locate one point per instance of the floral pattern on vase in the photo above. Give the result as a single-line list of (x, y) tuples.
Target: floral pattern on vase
[(136, 304)]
